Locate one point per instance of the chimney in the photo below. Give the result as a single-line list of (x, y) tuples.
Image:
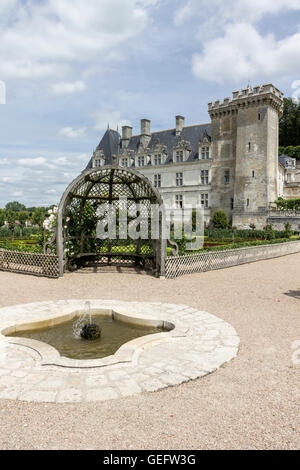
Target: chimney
[(179, 124), (126, 136), (145, 132), (145, 127)]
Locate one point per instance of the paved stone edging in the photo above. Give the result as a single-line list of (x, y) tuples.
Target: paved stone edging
[(199, 345)]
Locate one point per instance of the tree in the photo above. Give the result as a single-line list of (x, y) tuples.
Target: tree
[(22, 217), (289, 126), (38, 215), (15, 206), (2, 217), (291, 151), (220, 219)]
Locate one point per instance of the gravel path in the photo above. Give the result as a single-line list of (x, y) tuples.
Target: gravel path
[(252, 402)]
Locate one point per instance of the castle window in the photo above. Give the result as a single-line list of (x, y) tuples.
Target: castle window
[(259, 116), (97, 163), (204, 200), (205, 154), (141, 161), (157, 159), (248, 202), (249, 147), (232, 203), (157, 181), (179, 201), (204, 177), (253, 174), (124, 162), (179, 179), (227, 176), (179, 156)]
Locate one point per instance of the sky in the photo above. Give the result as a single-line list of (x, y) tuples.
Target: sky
[(70, 67)]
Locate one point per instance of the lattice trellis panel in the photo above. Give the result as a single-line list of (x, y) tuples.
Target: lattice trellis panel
[(83, 209), (179, 265), (29, 263)]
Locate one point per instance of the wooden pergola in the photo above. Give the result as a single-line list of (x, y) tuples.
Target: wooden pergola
[(91, 189)]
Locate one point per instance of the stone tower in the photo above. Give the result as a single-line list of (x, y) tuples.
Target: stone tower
[(244, 169)]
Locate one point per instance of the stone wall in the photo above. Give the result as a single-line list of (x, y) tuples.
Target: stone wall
[(278, 223), (243, 221)]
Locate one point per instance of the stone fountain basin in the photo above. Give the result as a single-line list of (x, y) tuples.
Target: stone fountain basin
[(199, 344), (51, 356)]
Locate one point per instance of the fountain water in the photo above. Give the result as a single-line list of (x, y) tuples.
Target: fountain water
[(83, 326)]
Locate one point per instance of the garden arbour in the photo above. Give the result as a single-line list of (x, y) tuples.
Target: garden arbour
[(75, 238)]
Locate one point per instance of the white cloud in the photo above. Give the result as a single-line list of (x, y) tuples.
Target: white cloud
[(51, 191), (7, 179), (232, 10), (233, 48), (183, 14), (32, 162), (72, 133), (4, 161), (42, 180), (17, 194), (106, 117), (243, 53), (68, 88), (60, 161), (40, 39)]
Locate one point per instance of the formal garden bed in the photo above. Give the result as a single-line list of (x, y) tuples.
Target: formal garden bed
[(213, 240)]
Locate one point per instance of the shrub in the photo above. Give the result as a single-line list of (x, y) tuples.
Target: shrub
[(269, 233), (288, 230), (220, 219), (287, 204), (247, 244)]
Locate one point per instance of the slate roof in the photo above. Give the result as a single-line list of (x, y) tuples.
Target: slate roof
[(285, 160), (110, 142)]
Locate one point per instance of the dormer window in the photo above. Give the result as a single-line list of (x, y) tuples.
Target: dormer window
[(157, 159), (124, 162), (181, 150), (205, 153), (179, 156), (98, 159), (98, 162), (141, 161)]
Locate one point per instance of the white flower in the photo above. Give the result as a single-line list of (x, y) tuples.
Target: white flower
[(50, 211)]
